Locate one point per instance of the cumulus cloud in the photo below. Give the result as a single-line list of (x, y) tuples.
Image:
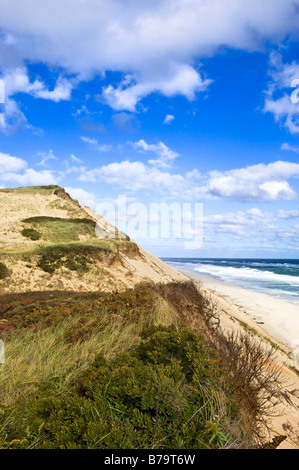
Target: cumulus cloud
[(253, 226), (135, 176), (155, 45), (254, 183), (30, 177), (281, 96), (292, 214), (17, 81), (85, 198), (10, 163), (240, 223), (11, 118), (165, 155), (14, 170), (179, 80)]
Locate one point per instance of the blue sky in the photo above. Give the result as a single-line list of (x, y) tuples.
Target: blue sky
[(179, 102)]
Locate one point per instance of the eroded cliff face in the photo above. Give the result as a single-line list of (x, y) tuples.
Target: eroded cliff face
[(48, 241)]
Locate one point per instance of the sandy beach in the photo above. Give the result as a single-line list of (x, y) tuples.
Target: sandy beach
[(278, 318), (271, 320)]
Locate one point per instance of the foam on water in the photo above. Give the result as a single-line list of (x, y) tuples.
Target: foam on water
[(277, 278)]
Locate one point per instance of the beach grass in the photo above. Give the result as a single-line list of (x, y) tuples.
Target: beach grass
[(48, 189), (61, 230), (146, 367)]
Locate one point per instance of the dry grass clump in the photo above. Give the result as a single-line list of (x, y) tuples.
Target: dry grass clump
[(248, 363), (255, 377)]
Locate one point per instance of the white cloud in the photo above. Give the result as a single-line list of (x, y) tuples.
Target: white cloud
[(30, 177), (84, 197), (290, 148), (252, 226), (75, 159), (61, 92), (280, 94), (180, 80), (292, 214), (45, 157), (168, 119), (165, 155), (135, 176), (94, 143), (9, 163), (11, 118), (154, 42), (17, 81), (254, 183), (14, 170)]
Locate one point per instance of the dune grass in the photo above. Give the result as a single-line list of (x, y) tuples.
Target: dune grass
[(76, 257), (32, 189), (142, 368), (59, 334), (61, 230)]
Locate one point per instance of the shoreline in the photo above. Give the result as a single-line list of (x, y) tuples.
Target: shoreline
[(258, 314), (278, 318)]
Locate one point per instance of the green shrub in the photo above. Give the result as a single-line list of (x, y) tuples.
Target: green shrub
[(61, 230), (73, 257), (152, 386), (31, 189), (43, 219), (31, 233), (4, 272), (154, 396)]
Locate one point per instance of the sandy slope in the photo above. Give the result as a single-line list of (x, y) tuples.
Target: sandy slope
[(129, 267), (263, 315), (14, 207)]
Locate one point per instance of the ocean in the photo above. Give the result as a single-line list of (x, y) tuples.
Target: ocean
[(276, 277)]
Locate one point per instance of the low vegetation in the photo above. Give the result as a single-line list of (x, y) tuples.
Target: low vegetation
[(4, 272), (32, 189), (74, 257), (144, 368), (62, 230), (31, 233)]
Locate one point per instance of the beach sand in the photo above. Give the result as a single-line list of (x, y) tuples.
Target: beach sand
[(278, 317), (271, 320)]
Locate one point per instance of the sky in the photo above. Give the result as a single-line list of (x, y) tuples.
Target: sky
[(178, 120)]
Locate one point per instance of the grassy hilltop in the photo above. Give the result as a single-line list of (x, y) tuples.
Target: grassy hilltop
[(107, 347), (48, 242)]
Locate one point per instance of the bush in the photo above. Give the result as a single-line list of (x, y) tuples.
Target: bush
[(162, 395), (31, 233), (61, 230), (4, 272), (185, 384), (73, 257)]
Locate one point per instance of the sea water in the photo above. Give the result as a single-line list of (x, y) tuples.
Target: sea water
[(276, 277)]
